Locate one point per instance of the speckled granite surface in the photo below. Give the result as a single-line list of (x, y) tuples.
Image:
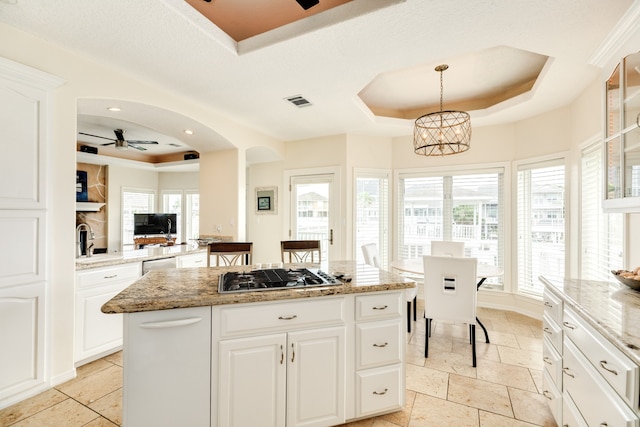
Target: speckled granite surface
[(194, 287), (611, 308), (148, 253)]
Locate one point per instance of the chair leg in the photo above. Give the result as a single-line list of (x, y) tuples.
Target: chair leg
[(426, 337), (409, 316), (415, 309), (473, 344)]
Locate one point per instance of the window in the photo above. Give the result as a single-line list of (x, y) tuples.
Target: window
[(372, 212), (134, 201), (601, 234), (186, 204), (192, 215), (540, 224), (172, 203), (466, 206)]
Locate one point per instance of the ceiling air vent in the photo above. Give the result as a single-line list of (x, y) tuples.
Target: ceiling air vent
[(298, 101)]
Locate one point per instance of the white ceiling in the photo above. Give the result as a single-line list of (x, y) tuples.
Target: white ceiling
[(331, 57)]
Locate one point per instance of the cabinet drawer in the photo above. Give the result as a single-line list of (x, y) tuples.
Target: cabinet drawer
[(552, 331), (552, 306), (193, 260), (571, 417), (379, 389), (378, 343), (248, 319), (597, 402), (105, 275), (552, 362), (552, 393), (615, 367), (378, 306)]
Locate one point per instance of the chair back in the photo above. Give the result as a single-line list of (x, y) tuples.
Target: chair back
[(229, 253), (371, 256), (450, 291), (447, 248), (300, 250)]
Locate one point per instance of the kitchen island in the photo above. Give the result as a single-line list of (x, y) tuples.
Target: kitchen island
[(313, 356)]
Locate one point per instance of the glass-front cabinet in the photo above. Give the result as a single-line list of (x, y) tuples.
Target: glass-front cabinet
[(622, 137)]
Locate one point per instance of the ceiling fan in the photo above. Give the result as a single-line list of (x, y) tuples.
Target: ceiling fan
[(120, 142)]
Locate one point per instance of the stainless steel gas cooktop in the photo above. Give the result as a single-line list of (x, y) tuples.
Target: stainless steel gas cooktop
[(273, 279)]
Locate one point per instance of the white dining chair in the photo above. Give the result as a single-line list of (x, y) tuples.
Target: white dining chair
[(372, 257), (450, 294), (447, 248)]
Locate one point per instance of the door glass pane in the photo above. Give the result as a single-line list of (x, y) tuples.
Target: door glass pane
[(134, 201), (172, 203), (632, 163), (613, 103), (311, 201), (372, 215), (614, 189), (632, 90)]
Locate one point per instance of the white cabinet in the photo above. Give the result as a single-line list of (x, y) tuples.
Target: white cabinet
[(192, 260), (167, 368), (379, 351), (292, 379), (289, 369), (552, 353), (24, 282), (96, 333)]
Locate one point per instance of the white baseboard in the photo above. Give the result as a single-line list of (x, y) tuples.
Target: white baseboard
[(64, 377), (527, 306)]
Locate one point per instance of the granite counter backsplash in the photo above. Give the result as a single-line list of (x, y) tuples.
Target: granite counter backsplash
[(196, 287), (611, 308)]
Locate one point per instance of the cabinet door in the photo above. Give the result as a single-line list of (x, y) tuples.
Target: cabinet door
[(96, 332), (193, 260), (316, 377), (167, 368), (251, 383), (21, 338)]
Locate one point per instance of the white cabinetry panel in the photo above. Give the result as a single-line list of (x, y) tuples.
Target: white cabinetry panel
[(22, 261), (21, 338)]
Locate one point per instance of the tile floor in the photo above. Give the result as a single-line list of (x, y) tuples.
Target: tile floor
[(443, 390)]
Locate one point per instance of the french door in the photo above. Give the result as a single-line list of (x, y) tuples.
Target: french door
[(313, 211)]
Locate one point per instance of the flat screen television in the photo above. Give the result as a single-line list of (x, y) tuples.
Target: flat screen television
[(154, 223)]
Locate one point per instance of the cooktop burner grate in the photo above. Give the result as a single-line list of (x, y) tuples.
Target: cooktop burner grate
[(272, 279)]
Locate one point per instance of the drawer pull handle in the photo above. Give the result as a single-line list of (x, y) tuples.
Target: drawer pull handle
[(165, 324), (548, 304), (293, 353), (568, 372), (547, 360), (110, 277), (382, 392), (548, 331), (288, 317), (604, 424), (381, 345), (547, 394), (603, 363), (384, 307), (281, 354), (568, 325)]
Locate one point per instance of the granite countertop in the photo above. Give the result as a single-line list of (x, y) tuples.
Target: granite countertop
[(137, 255), (196, 287), (611, 308)]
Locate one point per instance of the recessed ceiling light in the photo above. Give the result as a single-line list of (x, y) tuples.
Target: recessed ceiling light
[(188, 131), (113, 109)]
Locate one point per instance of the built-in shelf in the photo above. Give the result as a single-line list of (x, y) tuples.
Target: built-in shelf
[(88, 206)]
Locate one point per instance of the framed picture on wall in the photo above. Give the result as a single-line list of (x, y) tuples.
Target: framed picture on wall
[(266, 200)]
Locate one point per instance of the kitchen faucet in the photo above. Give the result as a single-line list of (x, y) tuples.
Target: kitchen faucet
[(90, 237), (168, 230)]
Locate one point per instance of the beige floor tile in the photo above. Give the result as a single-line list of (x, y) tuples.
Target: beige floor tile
[(101, 422), (529, 343), (110, 406), (479, 394), (379, 422), (401, 418), (67, 413), (427, 381), (91, 368), (537, 379), (29, 407), (514, 317), (508, 375), (507, 339), (115, 358), (491, 314), (531, 407), (519, 357), (415, 355), (92, 387), (454, 363), (488, 419), (433, 412)]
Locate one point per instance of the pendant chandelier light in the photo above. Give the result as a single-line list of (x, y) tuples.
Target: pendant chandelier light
[(443, 132)]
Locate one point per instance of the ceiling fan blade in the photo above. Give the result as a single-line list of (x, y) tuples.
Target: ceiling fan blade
[(96, 136), (108, 143), (142, 142), (138, 148)]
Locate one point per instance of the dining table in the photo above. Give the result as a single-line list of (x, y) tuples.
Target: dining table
[(483, 272)]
